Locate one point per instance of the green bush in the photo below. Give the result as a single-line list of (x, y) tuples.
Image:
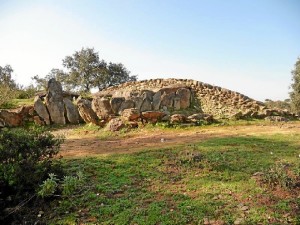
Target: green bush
[(26, 156)]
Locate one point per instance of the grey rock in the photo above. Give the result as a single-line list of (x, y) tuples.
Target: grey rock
[(146, 105), (127, 104), (71, 111), (116, 103), (102, 107), (156, 100), (41, 110), (167, 99), (54, 102)]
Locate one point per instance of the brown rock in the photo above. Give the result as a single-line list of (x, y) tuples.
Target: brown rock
[(178, 118), (185, 97), (115, 124), (131, 114), (86, 112), (38, 121), (167, 99), (102, 107), (152, 116), (11, 119)]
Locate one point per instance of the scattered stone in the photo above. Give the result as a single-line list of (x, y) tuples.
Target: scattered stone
[(178, 118), (152, 116), (276, 119), (115, 124)]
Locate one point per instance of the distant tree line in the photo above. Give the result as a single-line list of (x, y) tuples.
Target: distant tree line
[(84, 70)]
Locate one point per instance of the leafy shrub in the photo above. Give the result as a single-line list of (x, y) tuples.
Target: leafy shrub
[(26, 93), (26, 157), (281, 175), (67, 186)]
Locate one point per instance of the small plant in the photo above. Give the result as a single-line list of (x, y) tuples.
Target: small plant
[(279, 175), (49, 186), (68, 185), (190, 158), (71, 183)]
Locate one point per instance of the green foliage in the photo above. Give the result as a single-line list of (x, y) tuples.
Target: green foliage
[(6, 95), (286, 104), (279, 175), (72, 183), (58, 74), (49, 186), (68, 185), (295, 93), (26, 92), (6, 77), (85, 70), (26, 156)]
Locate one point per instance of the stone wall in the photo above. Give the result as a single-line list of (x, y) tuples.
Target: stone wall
[(217, 101), (173, 100)]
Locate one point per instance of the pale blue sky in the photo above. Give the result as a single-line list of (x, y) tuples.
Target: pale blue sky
[(249, 46)]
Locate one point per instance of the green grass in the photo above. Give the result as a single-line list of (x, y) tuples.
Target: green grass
[(211, 180), (15, 103)]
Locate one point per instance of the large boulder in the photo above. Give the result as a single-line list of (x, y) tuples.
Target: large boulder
[(11, 119), (178, 118), (115, 124), (156, 100), (71, 111), (152, 116), (102, 107), (127, 104), (86, 112), (41, 110), (116, 104), (167, 99), (131, 114), (55, 103), (146, 105), (184, 94)]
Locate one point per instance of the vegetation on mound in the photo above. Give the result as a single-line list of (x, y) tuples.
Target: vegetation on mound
[(218, 181)]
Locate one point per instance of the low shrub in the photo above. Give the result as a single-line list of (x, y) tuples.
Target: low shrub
[(26, 159)]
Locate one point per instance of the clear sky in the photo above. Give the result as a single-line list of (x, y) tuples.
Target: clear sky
[(249, 46)]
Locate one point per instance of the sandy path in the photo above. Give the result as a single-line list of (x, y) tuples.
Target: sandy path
[(88, 144)]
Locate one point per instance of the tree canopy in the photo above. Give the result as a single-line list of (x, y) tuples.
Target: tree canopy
[(295, 86), (85, 70), (6, 77)]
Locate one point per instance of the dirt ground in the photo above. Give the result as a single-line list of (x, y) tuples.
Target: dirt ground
[(87, 143)]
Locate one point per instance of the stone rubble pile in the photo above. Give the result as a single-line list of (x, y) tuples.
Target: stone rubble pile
[(170, 100)]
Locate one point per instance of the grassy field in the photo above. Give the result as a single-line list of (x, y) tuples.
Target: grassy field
[(233, 180)]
